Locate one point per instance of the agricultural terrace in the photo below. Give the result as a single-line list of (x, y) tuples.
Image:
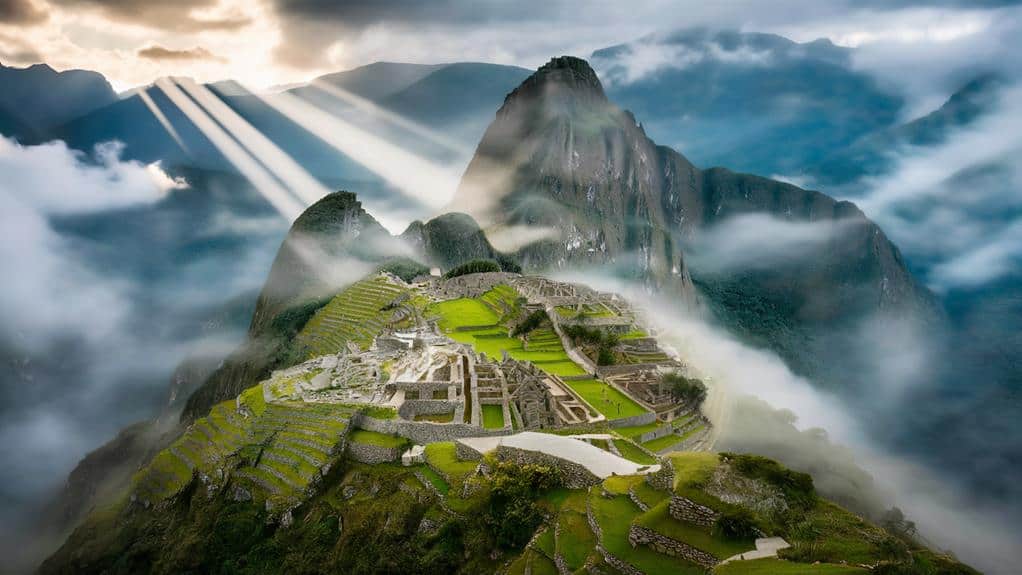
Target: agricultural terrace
[(357, 315), (479, 322)]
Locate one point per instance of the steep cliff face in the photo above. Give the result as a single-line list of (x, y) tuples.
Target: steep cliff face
[(560, 156), (332, 244)]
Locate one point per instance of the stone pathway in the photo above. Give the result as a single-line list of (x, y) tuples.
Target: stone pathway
[(765, 547), (600, 463)]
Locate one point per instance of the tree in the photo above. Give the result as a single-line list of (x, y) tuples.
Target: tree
[(684, 389)]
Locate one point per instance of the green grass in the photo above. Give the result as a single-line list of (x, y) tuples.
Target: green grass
[(693, 467), (615, 516), (631, 452), (434, 478), (634, 334), (606, 399), (463, 312), (378, 439), (649, 495), (493, 416), (545, 542), (634, 431), (575, 540), (442, 456), (830, 534), (473, 322), (379, 412), (660, 521), (781, 567), (664, 442), (620, 484)]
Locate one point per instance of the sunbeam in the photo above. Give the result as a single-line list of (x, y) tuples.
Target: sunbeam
[(297, 180), (162, 119), (415, 177), (262, 180), (372, 109)]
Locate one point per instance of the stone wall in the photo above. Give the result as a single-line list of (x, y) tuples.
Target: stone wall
[(641, 419), (423, 432), (684, 509), (662, 431), (573, 475), (471, 285), (410, 408), (372, 454), (663, 478), (639, 535)]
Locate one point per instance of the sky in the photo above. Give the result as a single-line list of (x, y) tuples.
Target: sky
[(264, 43)]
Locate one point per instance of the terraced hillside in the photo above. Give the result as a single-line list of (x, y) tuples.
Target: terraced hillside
[(274, 451), (356, 315)]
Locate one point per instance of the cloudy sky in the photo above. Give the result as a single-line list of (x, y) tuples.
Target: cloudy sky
[(268, 42)]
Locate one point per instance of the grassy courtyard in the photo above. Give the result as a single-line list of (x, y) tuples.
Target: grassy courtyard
[(606, 399)]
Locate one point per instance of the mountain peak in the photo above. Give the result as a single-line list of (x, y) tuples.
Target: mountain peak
[(563, 82)]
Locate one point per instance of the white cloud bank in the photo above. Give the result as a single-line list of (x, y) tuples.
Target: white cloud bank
[(47, 291)]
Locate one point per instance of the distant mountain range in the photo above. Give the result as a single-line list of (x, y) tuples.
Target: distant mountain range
[(726, 98)]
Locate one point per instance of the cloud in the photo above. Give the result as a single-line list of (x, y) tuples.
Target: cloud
[(652, 54), (758, 405), (179, 16), (956, 208), (155, 52), (113, 270), (762, 241), (22, 12)]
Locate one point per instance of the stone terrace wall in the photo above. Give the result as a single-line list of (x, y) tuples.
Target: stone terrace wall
[(574, 475), (639, 535), (684, 509), (423, 432), (641, 419), (662, 431), (410, 408), (663, 478), (471, 285), (372, 454)]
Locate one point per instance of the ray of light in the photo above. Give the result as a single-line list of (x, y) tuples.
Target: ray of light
[(293, 176), (143, 94), (415, 177), (372, 109), (261, 179)]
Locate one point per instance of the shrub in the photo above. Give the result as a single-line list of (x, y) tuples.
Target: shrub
[(513, 515), (405, 268), (738, 523), (531, 322), (686, 390), (508, 264), (473, 267), (797, 487)]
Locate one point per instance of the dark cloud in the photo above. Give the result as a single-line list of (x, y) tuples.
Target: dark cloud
[(21, 12), (175, 16), (160, 53)]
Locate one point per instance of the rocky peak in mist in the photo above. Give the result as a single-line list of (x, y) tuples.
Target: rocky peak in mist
[(561, 157), (37, 98)]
